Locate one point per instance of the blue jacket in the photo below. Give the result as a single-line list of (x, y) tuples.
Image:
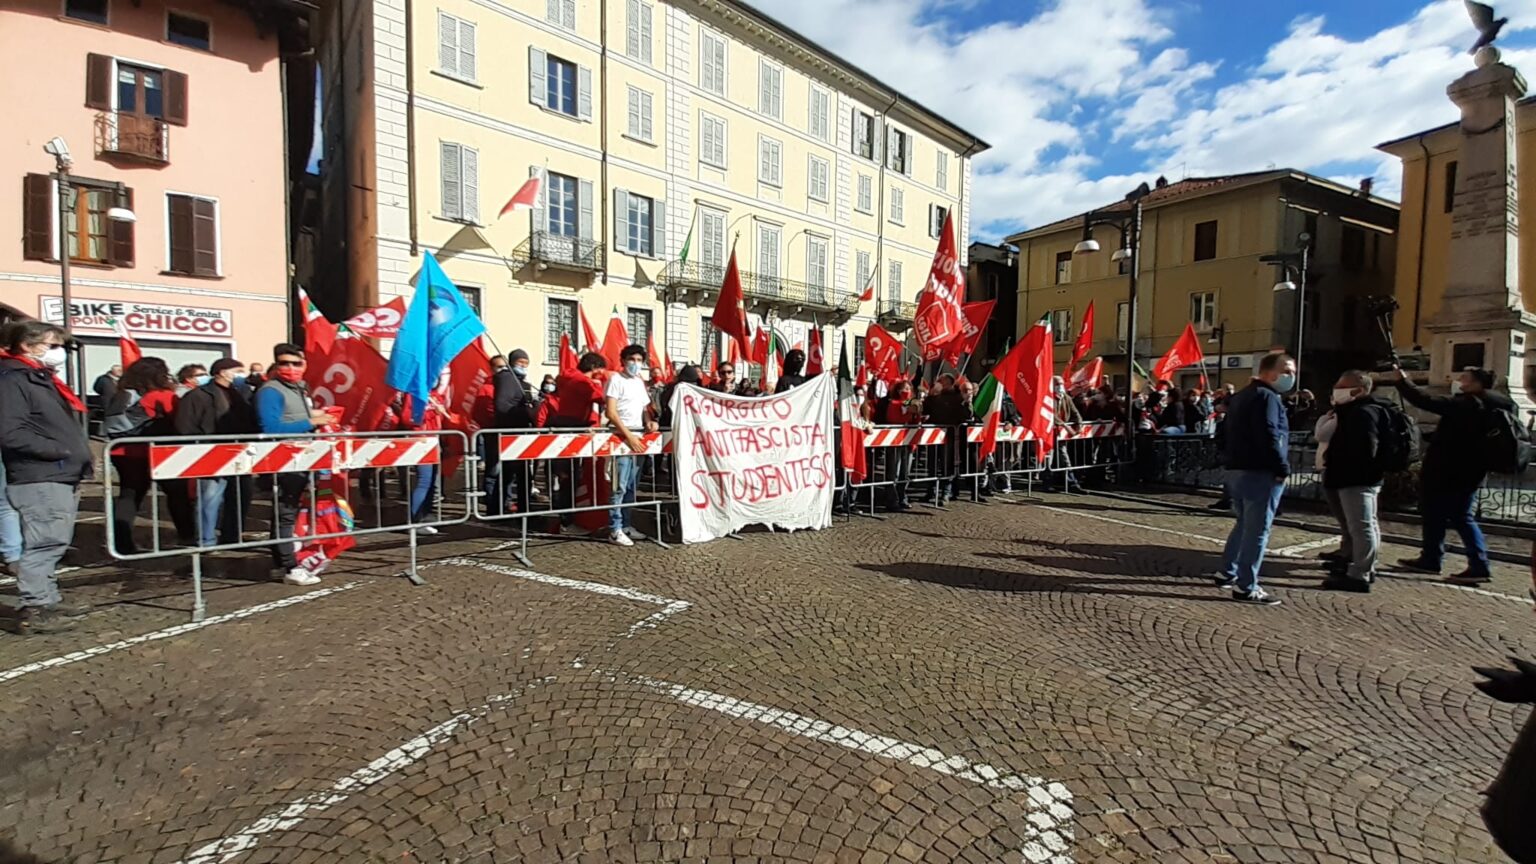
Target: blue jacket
[(1257, 433)]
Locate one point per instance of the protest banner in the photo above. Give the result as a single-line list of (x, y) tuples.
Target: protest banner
[(754, 461)]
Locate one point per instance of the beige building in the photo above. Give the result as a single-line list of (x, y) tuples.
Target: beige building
[(1202, 239), (663, 126)]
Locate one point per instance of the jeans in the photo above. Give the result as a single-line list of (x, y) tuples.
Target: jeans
[(1355, 509), (288, 493), (1255, 498), (10, 526), (215, 515), (1443, 510), (421, 493), (898, 467), (134, 485), (626, 480), (47, 512)]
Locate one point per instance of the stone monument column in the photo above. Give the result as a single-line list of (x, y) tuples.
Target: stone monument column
[(1482, 319)]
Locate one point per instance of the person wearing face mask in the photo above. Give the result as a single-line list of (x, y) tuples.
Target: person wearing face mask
[(1455, 465), (1353, 461), (1256, 452), (628, 409), (515, 408), (220, 407), (145, 406), (46, 455), (547, 386), (190, 377), (283, 407)]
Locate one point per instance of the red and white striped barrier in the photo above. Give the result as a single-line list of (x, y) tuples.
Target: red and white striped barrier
[(193, 461), (904, 436), (655, 443), (974, 434), (393, 452), (536, 446)]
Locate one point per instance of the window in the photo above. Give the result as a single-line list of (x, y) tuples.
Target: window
[(1450, 191), (712, 344), (712, 145), (1202, 310), (560, 88), (461, 183), (769, 167), (1205, 241), (640, 115), (559, 320), (898, 150), (561, 204), (188, 32), (936, 217), (639, 323), (711, 238), (561, 13), (91, 236), (637, 221), (1123, 266), (863, 134), (770, 89), (941, 171), (140, 91), (821, 111), (85, 224), (893, 284), (471, 296), (637, 36), (194, 235), (1352, 248), (94, 11), (816, 179), (858, 351), (1061, 326), (712, 62), (898, 207), (1063, 267), (768, 256), (816, 271), (455, 47), (866, 199), (861, 270)]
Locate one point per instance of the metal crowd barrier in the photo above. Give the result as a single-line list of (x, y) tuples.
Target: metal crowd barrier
[(182, 477), (567, 477)]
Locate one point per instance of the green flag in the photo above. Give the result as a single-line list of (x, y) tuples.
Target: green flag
[(984, 395), (688, 240)]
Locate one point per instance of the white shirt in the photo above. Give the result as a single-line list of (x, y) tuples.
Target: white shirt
[(631, 399)]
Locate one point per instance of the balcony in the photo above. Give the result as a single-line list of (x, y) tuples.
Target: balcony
[(131, 136), (690, 281), (896, 315), (546, 251)]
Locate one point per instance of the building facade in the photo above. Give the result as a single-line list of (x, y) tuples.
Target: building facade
[(669, 133), (173, 113), (993, 274), (1202, 240)]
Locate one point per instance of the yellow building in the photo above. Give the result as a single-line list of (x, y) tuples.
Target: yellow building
[(663, 126), (1202, 240)]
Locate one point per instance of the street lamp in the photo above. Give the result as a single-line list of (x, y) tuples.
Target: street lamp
[(1129, 226), (1293, 277)]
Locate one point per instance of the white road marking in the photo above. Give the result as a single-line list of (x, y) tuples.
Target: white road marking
[(1048, 832), (669, 606), (393, 762), (1470, 590), (1184, 534), (1300, 548), (169, 632)]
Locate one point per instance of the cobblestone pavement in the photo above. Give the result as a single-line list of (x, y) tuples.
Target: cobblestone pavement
[(1048, 681)]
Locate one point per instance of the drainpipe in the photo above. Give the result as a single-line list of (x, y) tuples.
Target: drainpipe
[(602, 132), (1418, 287), (410, 133), (964, 242), (878, 149)]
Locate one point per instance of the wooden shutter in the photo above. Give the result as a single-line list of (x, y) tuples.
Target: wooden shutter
[(205, 237), (453, 201), (584, 201), (538, 71), (37, 209), (120, 235), (183, 229), (98, 82), (447, 44), (471, 177), (659, 230), (467, 62), (584, 93), (175, 98), (540, 212), (621, 220)]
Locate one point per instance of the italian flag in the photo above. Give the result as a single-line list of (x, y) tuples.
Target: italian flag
[(127, 345), (989, 404)]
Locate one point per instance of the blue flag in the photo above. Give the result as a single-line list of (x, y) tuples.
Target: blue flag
[(438, 325)]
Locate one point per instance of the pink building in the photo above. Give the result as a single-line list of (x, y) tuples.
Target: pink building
[(175, 113)]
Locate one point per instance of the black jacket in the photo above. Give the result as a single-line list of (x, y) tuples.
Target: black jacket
[(214, 410), (1352, 456), (41, 439), (1456, 460), (788, 381), (1257, 434), (514, 406), (105, 387), (947, 408), (1173, 415)]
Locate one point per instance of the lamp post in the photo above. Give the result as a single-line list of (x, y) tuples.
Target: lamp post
[(1219, 336), (1293, 277), (1129, 227)]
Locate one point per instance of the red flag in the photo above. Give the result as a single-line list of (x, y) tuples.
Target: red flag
[(882, 353), (1185, 352), (939, 317), (730, 315), (1087, 378), (973, 325), (349, 375), (862, 379), (868, 293), (1084, 340), (851, 439), (468, 373), (615, 340), (993, 420), (568, 358), (526, 197), (127, 346), (655, 360), (813, 356), (760, 349), (319, 333), (588, 335), (383, 322), (1026, 374)]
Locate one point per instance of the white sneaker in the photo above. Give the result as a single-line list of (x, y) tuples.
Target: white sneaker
[(619, 538), (300, 576), (426, 529)]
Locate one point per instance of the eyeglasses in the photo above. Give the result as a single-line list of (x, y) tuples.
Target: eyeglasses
[(297, 364)]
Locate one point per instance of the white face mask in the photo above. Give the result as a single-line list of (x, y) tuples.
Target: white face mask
[(54, 358), (1455, 386), (1342, 395)]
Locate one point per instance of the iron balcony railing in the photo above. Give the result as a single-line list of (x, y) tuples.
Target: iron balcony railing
[(545, 249), (894, 313), (147, 139), (692, 277)]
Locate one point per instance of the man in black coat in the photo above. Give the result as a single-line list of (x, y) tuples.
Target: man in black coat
[(1353, 467), (105, 386), (516, 407), (947, 406), (220, 407), (794, 362), (1455, 465)]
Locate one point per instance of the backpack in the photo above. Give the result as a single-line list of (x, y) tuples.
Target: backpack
[(125, 416), (1400, 441), (1508, 447)]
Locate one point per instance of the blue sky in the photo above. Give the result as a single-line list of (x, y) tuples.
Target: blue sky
[(1083, 99)]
